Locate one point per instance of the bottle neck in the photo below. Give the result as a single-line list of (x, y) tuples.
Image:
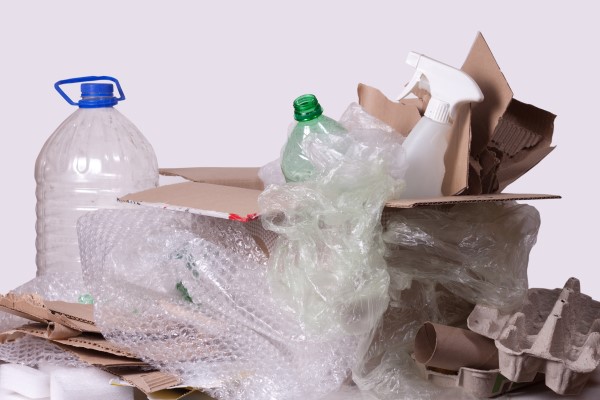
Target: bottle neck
[(307, 108), (97, 101)]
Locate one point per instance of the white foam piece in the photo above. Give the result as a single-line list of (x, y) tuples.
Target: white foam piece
[(8, 395), (25, 381), (85, 383)]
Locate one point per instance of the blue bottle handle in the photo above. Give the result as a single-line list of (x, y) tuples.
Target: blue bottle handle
[(87, 79)]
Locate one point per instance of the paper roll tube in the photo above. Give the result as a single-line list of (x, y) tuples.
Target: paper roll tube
[(450, 348)]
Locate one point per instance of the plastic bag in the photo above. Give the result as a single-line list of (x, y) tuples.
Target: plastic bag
[(327, 264)]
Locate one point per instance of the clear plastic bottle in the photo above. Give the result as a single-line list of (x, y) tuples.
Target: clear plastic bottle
[(93, 157), (308, 112)]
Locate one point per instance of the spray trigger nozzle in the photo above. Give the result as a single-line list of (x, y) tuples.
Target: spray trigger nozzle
[(449, 87)]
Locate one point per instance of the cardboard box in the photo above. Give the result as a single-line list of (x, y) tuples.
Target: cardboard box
[(492, 144)]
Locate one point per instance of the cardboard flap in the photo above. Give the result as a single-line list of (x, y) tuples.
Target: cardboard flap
[(411, 203), (481, 65), (228, 202), (523, 137), (238, 177), (508, 137), (404, 115)]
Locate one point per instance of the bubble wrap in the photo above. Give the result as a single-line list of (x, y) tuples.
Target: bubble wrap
[(189, 295), (327, 264), (32, 351)]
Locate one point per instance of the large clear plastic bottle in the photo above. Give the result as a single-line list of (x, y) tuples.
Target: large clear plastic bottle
[(308, 112), (93, 157)]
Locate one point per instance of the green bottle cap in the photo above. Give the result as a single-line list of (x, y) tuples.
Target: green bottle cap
[(307, 107)]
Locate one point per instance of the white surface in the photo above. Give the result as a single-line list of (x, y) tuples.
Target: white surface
[(86, 383), (211, 84), (25, 381)]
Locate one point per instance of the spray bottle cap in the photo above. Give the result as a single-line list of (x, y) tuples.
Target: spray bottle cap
[(449, 87)]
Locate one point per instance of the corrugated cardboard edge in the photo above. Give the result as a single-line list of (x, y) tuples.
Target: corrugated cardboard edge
[(484, 198), (191, 197), (90, 341), (30, 306), (234, 203)]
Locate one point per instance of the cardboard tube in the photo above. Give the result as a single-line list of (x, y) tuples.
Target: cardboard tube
[(450, 348)]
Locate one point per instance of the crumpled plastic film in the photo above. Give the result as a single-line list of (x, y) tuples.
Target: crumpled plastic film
[(189, 295), (327, 264), (441, 261), (479, 252)]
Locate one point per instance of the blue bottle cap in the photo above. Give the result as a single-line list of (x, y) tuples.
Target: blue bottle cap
[(96, 89), (97, 95), (93, 95)]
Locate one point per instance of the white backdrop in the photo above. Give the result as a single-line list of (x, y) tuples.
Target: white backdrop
[(212, 84)]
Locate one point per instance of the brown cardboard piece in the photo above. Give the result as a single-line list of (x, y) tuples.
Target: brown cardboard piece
[(241, 204), (77, 317), (235, 203), (71, 326), (519, 134), (237, 177), (451, 348)]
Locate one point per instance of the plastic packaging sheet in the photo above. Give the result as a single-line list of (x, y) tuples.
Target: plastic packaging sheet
[(189, 295), (479, 252), (327, 265), (441, 261)]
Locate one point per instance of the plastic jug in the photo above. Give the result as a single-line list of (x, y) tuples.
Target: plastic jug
[(93, 157)]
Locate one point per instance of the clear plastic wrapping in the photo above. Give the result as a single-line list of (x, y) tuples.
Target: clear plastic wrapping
[(478, 252), (442, 261), (327, 264)]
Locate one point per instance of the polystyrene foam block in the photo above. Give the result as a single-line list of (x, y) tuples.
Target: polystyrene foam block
[(8, 395), (26, 381), (86, 383)]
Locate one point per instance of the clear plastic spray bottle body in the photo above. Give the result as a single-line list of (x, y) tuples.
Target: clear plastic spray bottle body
[(93, 157), (425, 149)]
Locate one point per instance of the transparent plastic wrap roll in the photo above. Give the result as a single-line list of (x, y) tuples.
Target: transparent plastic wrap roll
[(189, 295), (327, 264)]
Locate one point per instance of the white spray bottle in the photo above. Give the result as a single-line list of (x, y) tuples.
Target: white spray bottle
[(426, 144)]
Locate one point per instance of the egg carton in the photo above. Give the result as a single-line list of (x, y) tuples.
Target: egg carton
[(556, 332), (479, 383)]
